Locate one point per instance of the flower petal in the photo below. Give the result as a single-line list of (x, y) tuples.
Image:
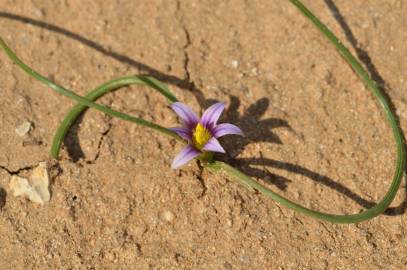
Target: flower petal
[(188, 153), (213, 145), (212, 114), (183, 132), (226, 129), (185, 113)]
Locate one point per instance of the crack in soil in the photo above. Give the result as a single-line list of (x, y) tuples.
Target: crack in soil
[(17, 171), (187, 43), (186, 56), (187, 59), (199, 176), (104, 134)]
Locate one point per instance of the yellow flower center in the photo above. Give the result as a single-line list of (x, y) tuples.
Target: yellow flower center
[(200, 136)]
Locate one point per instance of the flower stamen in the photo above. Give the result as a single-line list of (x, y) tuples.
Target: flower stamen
[(200, 136)]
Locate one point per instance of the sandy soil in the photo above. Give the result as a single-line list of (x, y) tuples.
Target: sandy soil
[(314, 134)]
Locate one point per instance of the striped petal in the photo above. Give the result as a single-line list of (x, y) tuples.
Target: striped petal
[(212, 114), (185, 113), (183, 132), (187, 154), (213, 145), (226, 129)]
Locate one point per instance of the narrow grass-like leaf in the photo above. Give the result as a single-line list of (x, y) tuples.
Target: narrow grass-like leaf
[(381, 206)]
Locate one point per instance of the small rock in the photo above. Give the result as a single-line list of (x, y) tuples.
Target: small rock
[(37, 190), (110, 256), (23, 129), (38, 12), (235, 63), (229, 222), (167, 216)]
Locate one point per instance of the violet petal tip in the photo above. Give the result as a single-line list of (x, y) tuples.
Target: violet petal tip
[(227, 129), (213, 145), (211, 116), (185, 113), (187, 154)]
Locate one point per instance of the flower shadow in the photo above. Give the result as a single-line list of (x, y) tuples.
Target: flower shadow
[(256, 130)]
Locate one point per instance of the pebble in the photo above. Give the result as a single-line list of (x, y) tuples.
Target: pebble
[(23, 129), (37, 189), (167, 216), (110, 256)]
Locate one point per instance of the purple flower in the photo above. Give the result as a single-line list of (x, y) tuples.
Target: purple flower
[(202, 134)]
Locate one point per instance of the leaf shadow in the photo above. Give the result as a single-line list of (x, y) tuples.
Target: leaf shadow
[(364, 57), (72, 142), (316, 177), (3, 195)]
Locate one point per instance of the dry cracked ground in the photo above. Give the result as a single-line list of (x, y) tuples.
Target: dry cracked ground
[(313, 134)]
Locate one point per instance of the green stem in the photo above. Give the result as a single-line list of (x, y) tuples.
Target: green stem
[(98, 92), (397, 133), (83, 101)]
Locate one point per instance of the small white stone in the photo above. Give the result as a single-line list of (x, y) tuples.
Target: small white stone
[(38, 12), (235, 63), (37, 190), (23, 129), (167, 216), (229, 223)]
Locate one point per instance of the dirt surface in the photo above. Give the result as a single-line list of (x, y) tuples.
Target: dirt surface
[(314, 134)]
